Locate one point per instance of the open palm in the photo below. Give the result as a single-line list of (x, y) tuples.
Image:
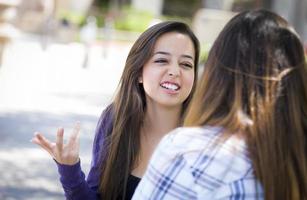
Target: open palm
[(67, 154)]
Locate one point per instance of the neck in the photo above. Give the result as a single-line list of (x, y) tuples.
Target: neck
[(157, 123), (161, 120)]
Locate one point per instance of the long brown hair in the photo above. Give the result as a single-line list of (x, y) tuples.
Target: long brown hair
[(255, 84), (128, 109)]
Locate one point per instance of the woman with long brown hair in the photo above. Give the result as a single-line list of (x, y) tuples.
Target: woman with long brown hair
[(155, 89), (246, 135)]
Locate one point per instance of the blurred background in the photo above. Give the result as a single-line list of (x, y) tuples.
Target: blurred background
[(61, 60)]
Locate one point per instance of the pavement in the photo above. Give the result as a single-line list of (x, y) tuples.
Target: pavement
[(41, 90)]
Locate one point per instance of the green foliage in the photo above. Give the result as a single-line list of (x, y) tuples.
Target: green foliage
[(204, 51), (177, 18), (100, 21), (181, 8), (133, 20), (73, 17)]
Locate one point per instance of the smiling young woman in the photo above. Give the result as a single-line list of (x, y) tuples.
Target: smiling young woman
[(168, 76), (155, 89)]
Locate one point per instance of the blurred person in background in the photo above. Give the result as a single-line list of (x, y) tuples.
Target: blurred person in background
[(155, 89), (37, 16), (246, 126)]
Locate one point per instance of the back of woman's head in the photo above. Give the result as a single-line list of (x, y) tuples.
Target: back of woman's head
[(255, 83)]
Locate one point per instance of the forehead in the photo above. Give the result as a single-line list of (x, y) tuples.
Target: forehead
[(175, 43)]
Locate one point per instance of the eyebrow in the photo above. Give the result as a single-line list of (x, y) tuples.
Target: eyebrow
[(166, 53)]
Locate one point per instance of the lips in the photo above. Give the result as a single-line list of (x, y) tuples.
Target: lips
[(170, 86)]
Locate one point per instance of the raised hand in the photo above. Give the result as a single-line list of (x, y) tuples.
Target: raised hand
[(67, 154)]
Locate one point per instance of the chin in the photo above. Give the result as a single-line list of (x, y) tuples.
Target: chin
[(171, 104)]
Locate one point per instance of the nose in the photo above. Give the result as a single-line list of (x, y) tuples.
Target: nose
[(174, 70)]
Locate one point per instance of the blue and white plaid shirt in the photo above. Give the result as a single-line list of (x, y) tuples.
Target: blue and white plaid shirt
[(196, 163)]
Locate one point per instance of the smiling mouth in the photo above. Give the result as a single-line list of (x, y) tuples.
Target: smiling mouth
[(170, 86)]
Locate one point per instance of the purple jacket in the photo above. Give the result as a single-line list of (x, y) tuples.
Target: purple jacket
[(71, 176)]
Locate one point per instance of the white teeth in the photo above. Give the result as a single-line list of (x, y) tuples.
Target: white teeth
[(170, 86)]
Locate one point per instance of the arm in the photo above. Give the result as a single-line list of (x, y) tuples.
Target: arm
[(74, 185), (67, 159)]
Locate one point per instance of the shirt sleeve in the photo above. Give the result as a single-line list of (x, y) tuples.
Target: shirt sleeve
[(73, 182), (72, 177)]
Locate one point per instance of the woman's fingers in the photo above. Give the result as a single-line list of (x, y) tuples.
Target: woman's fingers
[(43, 142), (75, 134), (59, 139), (62, 153)]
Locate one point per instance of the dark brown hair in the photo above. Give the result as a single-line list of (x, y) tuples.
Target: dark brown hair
[(129, 107), (255, 84)]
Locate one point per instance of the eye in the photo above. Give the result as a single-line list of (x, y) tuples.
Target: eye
[(161, 61), (187, 65)]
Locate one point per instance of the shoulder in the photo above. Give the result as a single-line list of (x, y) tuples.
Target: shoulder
[(199, 163), (106, 116), (105, 122), (207, 154), (103, 129), (191, 137)]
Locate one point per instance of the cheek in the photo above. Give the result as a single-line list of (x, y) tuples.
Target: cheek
[(189, 80), (149, 79), (148, 73)]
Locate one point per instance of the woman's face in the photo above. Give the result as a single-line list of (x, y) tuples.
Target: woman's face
[(168, 76)]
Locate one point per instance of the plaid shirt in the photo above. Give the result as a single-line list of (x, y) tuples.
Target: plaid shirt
[(197, 163)]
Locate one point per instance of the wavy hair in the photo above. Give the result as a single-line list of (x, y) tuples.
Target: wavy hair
[(255, 84)]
